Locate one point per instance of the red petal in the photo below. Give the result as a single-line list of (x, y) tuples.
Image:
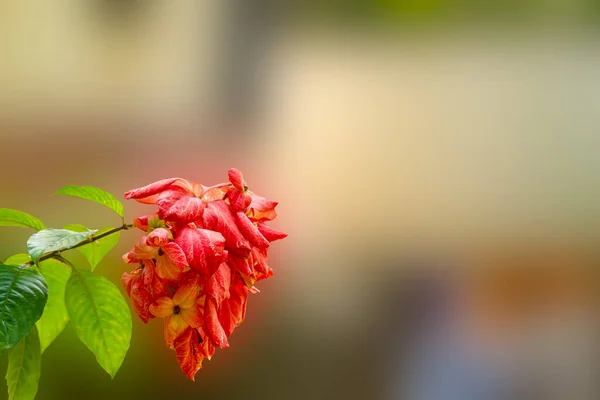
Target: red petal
[(175, 325), (218, 284), (175, 253), (226, 318), (171, 263), (155, 285), (187, 186), (180, 206), (191, 277), (233, 309), (218, 217), (261, 261), (193, 316), (261, 209), (140, 297), (249, 280), (203, 249), (166, 269), (240, 264), (261, 264), (141, 251), (237, 179), (186, 295), (141, 300), (217, 192), (129, 278), (188, 348), (269, 233), (158, 288), (129, 257), (239, 201), (163, 307), (151, 189), (250, 231), (142, 222), (148, 272), (208, 349), (158, 237), (197, 189), (239, 300), (214, 330), (261, 277)]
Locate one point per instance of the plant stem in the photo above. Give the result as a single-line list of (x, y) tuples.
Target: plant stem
[(91, 239)]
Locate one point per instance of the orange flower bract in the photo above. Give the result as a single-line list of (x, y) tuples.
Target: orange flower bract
[(204, 249)]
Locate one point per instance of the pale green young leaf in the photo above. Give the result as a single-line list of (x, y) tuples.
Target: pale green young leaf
[(100, 317), (50, 240), (23, 295), (94, 194), (10, 217), (95, 251), (18, 259), (24, 367), (154, 222)]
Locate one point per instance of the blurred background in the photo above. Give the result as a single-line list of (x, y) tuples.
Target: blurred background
[(436, 164)]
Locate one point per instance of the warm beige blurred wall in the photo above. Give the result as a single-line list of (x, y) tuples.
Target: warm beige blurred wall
[(475, 137), (77, 59)]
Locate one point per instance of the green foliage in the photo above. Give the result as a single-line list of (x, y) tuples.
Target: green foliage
[(10, 217), (41, 292), (24, 367), (18, 259), (154, 222), (94, 194), (95, 252), (50, 240), (23, 295), (55, 316), (100, 317)]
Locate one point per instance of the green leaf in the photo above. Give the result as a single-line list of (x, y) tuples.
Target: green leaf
[(100, 317), (18, 259), (154, 222), (94, 194), (55, 316), (24, 368), (95, 252), (10, 217), (54, 239), (23, 295)]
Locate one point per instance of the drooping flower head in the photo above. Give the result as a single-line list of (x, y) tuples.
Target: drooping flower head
[(205, 247)]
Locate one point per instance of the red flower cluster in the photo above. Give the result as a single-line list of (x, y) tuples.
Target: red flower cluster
[(203, 251)]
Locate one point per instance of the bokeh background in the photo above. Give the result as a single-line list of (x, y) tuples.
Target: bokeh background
[(411, 144)]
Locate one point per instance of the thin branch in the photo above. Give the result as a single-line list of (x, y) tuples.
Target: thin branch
[(91, 239)]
